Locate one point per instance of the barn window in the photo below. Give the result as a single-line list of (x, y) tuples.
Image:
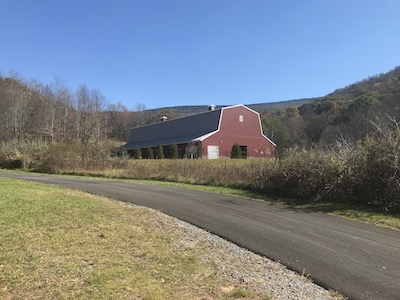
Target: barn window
[(244, 151), (240, 118)]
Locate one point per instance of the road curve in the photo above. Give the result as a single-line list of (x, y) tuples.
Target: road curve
[(359, 260)]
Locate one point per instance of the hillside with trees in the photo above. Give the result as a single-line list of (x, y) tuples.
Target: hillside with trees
[(349, 113)]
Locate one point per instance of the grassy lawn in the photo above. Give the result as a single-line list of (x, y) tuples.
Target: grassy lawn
[(57, 243)]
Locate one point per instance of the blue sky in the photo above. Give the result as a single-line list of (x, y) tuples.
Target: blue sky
[(199, 52)]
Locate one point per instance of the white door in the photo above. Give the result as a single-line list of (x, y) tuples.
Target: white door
[(213, 152)]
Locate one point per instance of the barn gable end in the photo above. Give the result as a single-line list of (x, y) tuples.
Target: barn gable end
[(242, 125)]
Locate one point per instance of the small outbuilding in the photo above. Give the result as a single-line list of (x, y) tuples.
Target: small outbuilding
[(206, 135)]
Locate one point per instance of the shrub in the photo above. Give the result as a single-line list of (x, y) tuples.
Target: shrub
[(159, 152), (376, 170), (236, 151), (149, 154), (174, 151), (300, 173), (14, 155), (10, 158), (60, 158), (137, 153), (120, 152)]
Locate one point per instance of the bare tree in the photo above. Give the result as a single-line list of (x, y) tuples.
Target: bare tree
[(89, 106), (139, 117), (193, 150), (65, 112), (118, 121), (17, 111), (42, 112)]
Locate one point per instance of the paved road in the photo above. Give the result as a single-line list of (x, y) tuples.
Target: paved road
[(359, 260)]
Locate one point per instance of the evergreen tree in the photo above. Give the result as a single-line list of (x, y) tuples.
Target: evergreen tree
[(174, 151), (236, 151), (160, 152), (137, 153), (150, 153)]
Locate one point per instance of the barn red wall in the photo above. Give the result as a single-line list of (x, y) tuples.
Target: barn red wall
[(247, 133)]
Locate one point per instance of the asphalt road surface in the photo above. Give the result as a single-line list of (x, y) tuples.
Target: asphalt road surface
[(361, 261)]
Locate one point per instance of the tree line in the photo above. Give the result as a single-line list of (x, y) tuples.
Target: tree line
[(37, 112)]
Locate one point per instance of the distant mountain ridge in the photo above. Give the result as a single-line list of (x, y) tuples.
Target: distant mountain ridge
[(267, 107), (272, 107)]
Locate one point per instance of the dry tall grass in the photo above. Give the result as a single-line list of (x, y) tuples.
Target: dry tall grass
[(225, 172)]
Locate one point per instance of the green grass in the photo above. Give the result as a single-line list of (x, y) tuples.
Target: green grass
[(376, 215), (240, 293), (57, 243)]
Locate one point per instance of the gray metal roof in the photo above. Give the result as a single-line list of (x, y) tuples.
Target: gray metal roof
[(175, 131)]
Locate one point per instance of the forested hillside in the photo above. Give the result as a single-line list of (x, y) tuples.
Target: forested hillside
[(348, 113)]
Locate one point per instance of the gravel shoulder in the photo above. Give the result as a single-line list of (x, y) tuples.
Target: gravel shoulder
[(239, 266)]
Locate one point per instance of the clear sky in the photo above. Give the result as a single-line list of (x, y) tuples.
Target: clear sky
[(199, 52)]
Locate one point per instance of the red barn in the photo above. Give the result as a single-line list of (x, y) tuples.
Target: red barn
[(209, 135)]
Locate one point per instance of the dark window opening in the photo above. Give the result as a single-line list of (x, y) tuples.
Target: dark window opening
[(244, 151)]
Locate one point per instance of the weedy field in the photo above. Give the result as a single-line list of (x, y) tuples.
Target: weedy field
[(57, 243)]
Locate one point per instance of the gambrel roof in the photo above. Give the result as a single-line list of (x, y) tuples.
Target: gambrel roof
[(175, 131)]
